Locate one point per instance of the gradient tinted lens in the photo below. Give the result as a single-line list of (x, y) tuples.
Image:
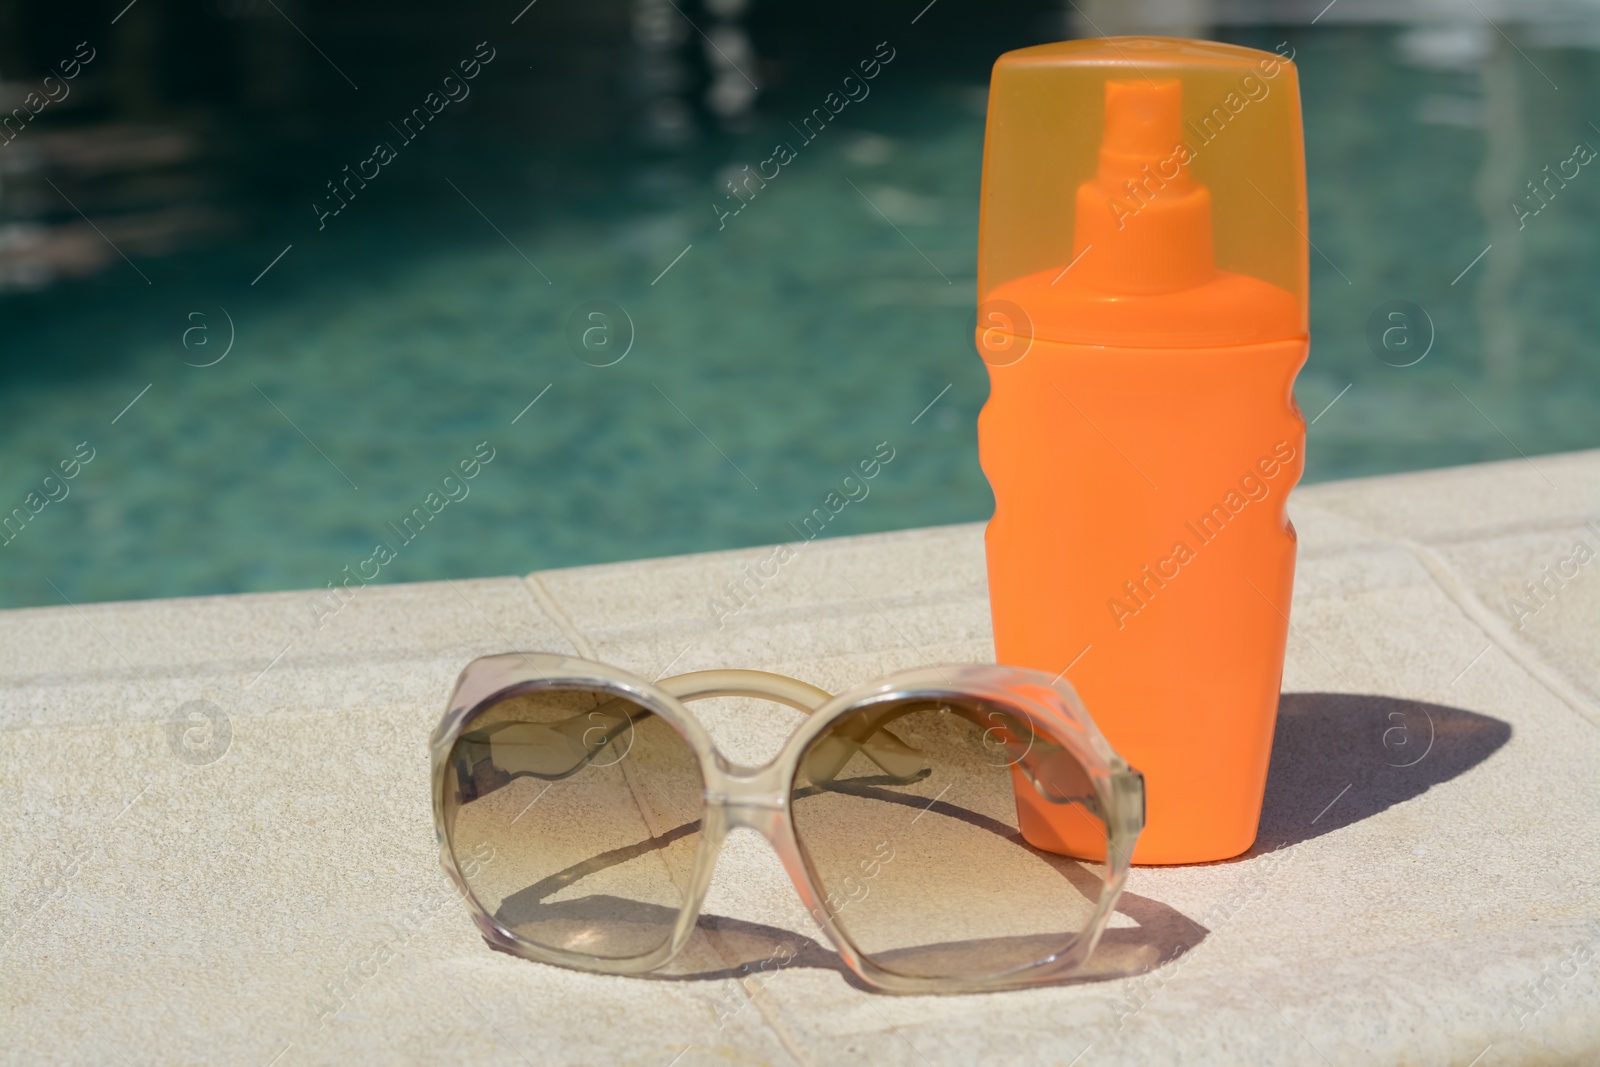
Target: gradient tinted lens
[(574, 817), (908, 816)]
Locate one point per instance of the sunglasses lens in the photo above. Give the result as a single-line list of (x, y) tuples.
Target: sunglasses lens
[(574, 818), (907, 815)]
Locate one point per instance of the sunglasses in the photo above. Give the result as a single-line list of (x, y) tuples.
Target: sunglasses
[(950, 829)]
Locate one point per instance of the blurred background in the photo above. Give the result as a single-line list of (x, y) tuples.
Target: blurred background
[(275, 340)]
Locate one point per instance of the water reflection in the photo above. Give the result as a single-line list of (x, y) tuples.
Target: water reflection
[(600, 145)]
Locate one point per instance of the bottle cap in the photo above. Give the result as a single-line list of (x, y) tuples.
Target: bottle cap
[(1142, 191)]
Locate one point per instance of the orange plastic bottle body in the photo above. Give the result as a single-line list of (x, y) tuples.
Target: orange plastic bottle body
[(1142, 280), (1140, 543)]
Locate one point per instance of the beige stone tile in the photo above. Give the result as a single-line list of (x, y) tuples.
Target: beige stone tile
[(245, 635), (1460, 503), (157, 905), (838, 613), (1558, 618), (162, 910)]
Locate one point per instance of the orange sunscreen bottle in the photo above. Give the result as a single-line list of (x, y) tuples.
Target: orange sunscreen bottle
[(1142, 278)]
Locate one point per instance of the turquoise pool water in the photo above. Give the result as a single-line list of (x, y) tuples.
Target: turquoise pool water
[(772, 351)]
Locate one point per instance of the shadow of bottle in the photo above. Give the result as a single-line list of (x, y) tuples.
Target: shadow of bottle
[(1338, 758)]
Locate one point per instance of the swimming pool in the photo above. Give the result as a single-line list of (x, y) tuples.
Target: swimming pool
[(640, 361)]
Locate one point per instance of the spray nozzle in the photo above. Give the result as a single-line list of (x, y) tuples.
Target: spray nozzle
[(1143, 223)]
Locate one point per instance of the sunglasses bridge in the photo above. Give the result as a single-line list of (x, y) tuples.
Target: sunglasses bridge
[(737, 795)]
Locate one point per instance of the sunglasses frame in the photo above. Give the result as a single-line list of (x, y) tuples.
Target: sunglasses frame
[(760, 797)]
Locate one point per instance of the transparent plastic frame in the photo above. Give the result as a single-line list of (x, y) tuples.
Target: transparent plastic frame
[(760, 797)]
